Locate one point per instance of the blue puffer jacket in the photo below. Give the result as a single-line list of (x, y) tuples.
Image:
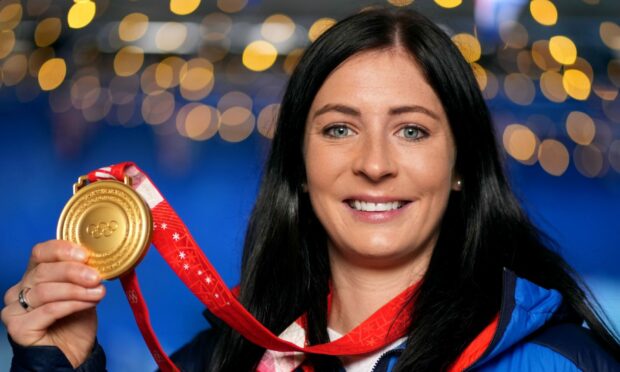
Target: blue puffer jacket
[(534, 333)]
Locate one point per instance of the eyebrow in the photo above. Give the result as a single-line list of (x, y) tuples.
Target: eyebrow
[(398, 110)]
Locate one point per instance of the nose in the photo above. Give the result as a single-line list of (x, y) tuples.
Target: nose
[(374, 159)]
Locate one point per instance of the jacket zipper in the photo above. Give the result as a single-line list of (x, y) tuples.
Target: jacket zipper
[(384, 356)]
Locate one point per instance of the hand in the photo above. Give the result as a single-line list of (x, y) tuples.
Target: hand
[(61, 292)]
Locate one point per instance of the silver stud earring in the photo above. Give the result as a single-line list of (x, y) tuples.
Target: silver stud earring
[(459, 183)]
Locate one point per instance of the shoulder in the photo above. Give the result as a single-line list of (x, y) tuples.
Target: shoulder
[(562, 347), (196, 354)]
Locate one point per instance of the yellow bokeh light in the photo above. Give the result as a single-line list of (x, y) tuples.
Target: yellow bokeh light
[(468, 45), (513, 34), (158, 107), (198, 121), (47, 32), (448, 3), (400, 2), (133, 26), (183, 7), (52, 73), (551, 86), (583, 66), (519, 88), (196, 79), (480, 74), (81, 14), (14, 69), (610, 35), (128, 61), (267, 120), (576, 84), (10, 16), (167, 72), (519, 141), (580, 127), (7, 42), (259, 55), (319, 26), (563, 50), (553, 157), (277, 28), (589, 160), (544, 12), (171, 36), (231, 6)]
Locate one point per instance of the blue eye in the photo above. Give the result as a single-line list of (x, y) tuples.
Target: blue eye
[(338, 131), (412, 133)]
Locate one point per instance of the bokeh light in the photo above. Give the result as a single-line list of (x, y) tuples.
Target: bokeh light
[(319, 26), (231, 6), (52, 73), (544, 12), (267, 120), (468, 45), (520, 142), (133, 26), (563, 49), (277, 28), (589, 160), (580, 127), (158, 107), (448, 3), (553, 157), (47, 31), (237, 123), (170, 36), (128, 60), (576, 84), (81, 13), (183, 7), (519, 88), (259, 55), (7, 42), (610, 34)]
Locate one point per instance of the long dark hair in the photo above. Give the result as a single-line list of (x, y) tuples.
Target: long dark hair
[(285, 267)]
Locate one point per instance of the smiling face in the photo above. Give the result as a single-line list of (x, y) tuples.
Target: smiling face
[(379, 158)]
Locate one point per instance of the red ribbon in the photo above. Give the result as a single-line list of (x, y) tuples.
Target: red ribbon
[(175, 244)]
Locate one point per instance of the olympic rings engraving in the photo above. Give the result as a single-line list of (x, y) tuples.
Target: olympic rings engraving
[(103, 228)]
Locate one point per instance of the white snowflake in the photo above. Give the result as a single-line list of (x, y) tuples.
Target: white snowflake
[(217, 295), (182, 255), (164, 226), (175, 237), (199, 272), (154, 225), (208, 280), (186, 266)]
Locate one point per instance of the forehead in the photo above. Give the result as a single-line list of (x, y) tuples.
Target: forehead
[(376, 79)]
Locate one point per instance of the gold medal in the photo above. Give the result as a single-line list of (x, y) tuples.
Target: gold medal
[(109, 219)]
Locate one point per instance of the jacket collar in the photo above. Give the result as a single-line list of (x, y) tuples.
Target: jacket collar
[(525, 308)]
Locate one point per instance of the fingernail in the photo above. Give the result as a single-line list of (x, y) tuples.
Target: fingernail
[(78, 254), (91, 275), (94, 291)]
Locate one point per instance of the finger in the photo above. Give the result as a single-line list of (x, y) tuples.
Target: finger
[(11, 294), (45, 293), (27, 327), (57, 250), (70, 272)]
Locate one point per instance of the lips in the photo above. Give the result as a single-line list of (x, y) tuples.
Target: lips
[(375, 209)]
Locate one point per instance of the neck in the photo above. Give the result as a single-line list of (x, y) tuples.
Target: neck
[(358, 290)]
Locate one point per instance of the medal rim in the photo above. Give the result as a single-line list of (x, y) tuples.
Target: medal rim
[(145, 216)]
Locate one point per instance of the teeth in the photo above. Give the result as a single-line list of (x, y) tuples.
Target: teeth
[(374, 207)]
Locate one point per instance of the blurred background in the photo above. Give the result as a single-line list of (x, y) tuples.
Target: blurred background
[(189, 89)]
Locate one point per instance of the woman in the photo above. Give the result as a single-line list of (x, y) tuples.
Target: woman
[(383, 176)]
